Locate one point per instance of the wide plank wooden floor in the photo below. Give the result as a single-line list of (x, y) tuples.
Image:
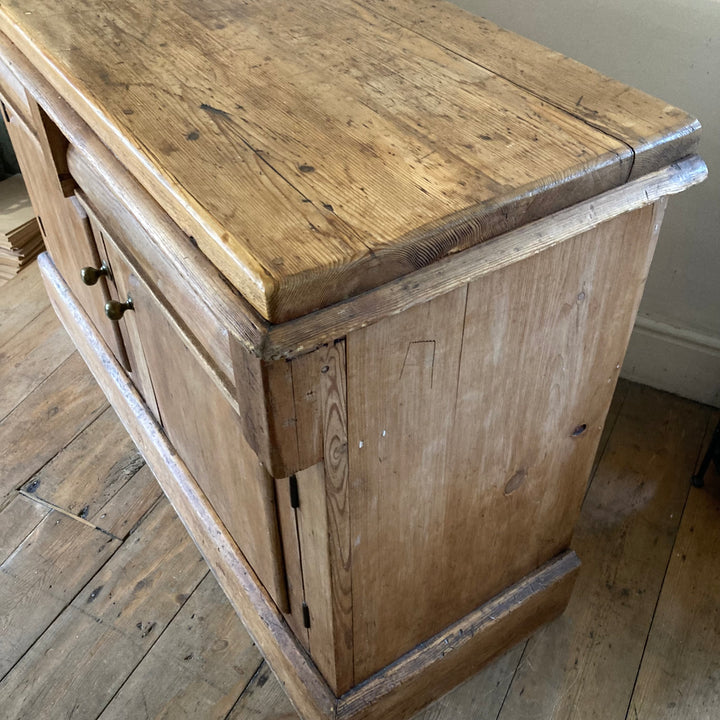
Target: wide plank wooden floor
[(107, 610)]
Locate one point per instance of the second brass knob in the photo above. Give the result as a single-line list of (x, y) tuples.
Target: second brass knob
[(115, 310)]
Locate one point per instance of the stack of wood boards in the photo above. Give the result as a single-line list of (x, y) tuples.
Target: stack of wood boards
[(20, 239)]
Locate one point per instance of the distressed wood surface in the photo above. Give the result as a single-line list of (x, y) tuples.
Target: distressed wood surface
[(650, 127), (261, 617), (680, 676), (162, 245), (41, 150), (323, 522), (641, 479), (589, 658), (90, 471), (458, 501), (30, 356), (306, 333), (19, 518), (465, 646), (52, 563), (150, 587), (20, 302), (412, 184), (64, 404), (133, 359), (198, 668), (207, 432)]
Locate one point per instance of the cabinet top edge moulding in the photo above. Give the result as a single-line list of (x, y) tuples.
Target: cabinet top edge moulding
[(314, 151)]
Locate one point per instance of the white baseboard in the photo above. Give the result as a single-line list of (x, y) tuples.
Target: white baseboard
[(679, 360)]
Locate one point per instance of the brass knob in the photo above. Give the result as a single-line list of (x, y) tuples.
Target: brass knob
[(91, 275), (115, 310)]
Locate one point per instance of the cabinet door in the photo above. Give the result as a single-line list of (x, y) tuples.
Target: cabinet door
[(200, 417), (63, 223)]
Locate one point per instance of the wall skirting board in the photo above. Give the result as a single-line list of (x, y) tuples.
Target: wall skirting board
[(679, 360)]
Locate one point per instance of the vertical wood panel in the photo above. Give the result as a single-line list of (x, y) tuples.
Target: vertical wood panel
[(127, 325), (324, 530), (293, 563), (64, 227), (473, 425), (264, 392), (402, 378), (206, 432), (308, 408)]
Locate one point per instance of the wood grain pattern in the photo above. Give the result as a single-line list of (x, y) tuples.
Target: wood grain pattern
[(321, 228), (461, 649), (133, 359), (210, 439), (158, 582), (90, 471), (19, 518), (63, 405), (65, 231), (650, 127), (679, 674), (20, 302), (336, 492), (305, 334), (13, 93), (261, 617), (197, 668), (29, 356), (588, 661), (264, 393), (306, 377), (179, 271), (447, 503), (46, 564), (263, 699)]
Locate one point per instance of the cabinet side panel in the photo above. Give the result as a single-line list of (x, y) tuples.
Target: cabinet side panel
[(473, 422)]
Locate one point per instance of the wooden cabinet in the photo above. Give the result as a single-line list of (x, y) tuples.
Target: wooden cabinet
[(366, 332)]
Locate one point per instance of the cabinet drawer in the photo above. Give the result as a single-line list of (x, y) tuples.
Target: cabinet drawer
[(200, 417)]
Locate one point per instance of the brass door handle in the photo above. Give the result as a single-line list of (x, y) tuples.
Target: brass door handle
[(115, 310), (91, 275)]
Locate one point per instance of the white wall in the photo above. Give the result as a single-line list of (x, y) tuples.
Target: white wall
[(670, 49)]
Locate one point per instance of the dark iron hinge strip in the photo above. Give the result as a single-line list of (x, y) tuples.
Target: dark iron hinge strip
[(294, 494)]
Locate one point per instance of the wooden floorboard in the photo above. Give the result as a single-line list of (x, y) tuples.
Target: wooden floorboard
[(107, 609), (680, 672)]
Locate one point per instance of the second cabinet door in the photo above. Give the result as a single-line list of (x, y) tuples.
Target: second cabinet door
[(201, 420)]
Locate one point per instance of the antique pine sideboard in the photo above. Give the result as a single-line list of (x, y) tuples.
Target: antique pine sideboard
[(358, 278)]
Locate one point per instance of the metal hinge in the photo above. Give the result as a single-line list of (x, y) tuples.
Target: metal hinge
[(306, 616), (294, 493)]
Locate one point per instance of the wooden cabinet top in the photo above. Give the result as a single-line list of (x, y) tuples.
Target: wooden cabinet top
[(314, 150)]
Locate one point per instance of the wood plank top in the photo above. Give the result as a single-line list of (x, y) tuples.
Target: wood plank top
[(316, 150)]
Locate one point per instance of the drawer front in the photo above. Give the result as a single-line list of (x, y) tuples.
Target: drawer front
[(199, 416)]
